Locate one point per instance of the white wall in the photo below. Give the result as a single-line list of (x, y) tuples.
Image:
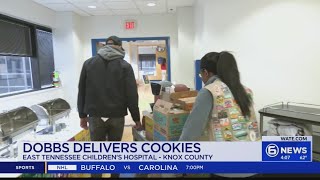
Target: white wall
[(31, 12), (78, 46), (185, 18), (37, 97), (126, 47), (134, 60), (276, 44), (68, 53), (147, 26)]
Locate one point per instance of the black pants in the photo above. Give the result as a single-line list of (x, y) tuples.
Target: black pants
[(111, 130)]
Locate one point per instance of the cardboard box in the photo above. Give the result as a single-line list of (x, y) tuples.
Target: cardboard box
[(168, 122), (149, 126), (168, 131), (157, 136), (173, 97), (144, 113), (186, 103), (185, 94)]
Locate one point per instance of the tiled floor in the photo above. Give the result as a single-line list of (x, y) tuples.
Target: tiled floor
[(127, 134)]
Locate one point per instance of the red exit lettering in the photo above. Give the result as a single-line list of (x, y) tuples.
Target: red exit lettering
[(130, 25)]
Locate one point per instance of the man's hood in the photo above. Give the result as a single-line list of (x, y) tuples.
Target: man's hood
[(110, 53)]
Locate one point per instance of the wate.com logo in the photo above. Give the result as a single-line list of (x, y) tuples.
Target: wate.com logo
[(272, 150), (285, 148)]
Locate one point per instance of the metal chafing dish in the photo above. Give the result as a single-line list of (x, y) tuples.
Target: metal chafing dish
[(12, 124), (49, 112), (316, 146), (15, 122), (308, 114)]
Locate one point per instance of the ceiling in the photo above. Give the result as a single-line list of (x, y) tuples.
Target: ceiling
[(115, 7)]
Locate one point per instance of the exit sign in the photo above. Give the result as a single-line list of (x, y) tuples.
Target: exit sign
[(129, 25)]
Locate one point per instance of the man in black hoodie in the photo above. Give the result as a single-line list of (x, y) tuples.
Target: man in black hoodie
[(107, 87)]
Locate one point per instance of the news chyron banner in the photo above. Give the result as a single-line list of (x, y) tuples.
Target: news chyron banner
[(274, 154), (293, 149)]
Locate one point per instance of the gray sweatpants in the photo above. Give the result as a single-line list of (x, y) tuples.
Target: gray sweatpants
[(111, 130)]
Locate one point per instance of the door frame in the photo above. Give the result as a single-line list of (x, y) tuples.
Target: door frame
[(165, 38)]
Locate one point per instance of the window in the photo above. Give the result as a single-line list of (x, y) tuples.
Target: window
[(45, 56), (26, 56), (147, 63), (15, 74), (15, 38)]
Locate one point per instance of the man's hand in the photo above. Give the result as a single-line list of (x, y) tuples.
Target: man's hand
[(84, 123), (138, 126)]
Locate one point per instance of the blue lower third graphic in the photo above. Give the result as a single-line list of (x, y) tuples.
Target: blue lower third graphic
[(184, 167), (22, 167), (286, 151)]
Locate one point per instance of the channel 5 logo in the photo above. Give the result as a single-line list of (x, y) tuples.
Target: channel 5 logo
[(272, 150), (286, 151)]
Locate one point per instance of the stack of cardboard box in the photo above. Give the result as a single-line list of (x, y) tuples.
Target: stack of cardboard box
[(166, 122), (148, 121), (170, 113)]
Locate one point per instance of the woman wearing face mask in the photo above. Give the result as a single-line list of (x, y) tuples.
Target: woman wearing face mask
[(223, 110)]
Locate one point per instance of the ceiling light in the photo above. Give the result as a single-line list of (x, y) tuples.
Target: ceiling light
[(92, 7), (151, 4)]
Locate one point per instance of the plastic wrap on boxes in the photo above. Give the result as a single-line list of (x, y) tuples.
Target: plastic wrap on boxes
[(166, 96), (165, 83)]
